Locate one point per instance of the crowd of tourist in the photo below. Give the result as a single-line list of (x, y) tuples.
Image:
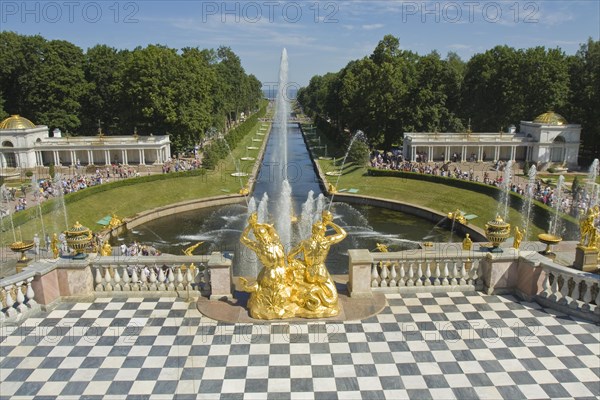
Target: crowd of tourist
[(544, 193)]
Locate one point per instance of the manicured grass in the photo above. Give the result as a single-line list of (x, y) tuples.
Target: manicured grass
[(439, 197), (127, 201)]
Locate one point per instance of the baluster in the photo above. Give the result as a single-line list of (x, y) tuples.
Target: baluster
[(445, 274), (564, 291), (170, 279), (437, 274), (207, 282), (161, 279), (473, 272), (393, 275), (597, 310), (179, 278), (126, 279), (189, 279), (20, 305), (384, 274), (411, 273), (374, 276), (454, 281), (587, 297), (152, 284), (117, 279), (145, 276), (555, 293), (107, 280), (135, 280), (10, 311), (402, 279), (418, 280), (546, 286), (98, 279), (427, 274), (574, 303), (464, 276), (30, 293)]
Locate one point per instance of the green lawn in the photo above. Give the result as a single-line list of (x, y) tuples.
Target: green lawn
[(439, 197)]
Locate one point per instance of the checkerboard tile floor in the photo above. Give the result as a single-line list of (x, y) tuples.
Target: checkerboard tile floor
[(442, 346)]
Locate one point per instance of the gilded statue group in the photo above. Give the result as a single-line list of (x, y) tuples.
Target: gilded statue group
[(289, 286), (590, 237)]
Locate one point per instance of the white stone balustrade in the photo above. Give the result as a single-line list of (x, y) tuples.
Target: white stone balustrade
[(177, 274), (571, 291), (17, 297), (397, 272)]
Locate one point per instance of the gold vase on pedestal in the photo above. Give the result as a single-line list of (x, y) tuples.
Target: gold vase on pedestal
[(78, 238), (497, 231)]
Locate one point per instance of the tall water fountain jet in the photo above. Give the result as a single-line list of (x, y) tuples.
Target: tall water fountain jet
[(505, 191), (555, 227), (529, 193), (283, 210), (357, 135), (591, 187)]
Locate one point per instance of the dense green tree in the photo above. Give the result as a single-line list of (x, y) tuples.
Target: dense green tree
[(3, 113), (104, 67), (584, 101)]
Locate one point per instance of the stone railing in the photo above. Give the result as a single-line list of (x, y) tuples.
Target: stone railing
[(570, 291), (17, 297), (177, 274), (43, 283), (407, 272)]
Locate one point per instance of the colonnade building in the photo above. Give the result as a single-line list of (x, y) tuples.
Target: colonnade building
[(26, 145), (548, 139)]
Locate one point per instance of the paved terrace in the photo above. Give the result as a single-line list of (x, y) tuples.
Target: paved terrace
[(463, 345)]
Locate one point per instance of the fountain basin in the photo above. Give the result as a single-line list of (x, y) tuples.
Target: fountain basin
[(22, 247), (252, 148), (238, 174), (334, 173), (247, 158)]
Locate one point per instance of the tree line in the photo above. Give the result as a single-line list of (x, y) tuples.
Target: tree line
[(185, 93), (393, 91)]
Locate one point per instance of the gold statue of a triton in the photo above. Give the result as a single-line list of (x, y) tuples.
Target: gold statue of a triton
[(299, 288)]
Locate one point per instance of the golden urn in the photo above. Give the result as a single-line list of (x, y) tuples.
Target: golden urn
[(497, 231), (549, 240), (78, 237)]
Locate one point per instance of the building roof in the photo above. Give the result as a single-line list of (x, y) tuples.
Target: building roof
[(550, 118), (16, 122)]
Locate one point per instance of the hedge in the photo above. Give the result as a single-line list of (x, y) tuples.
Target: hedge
[(542, 211)]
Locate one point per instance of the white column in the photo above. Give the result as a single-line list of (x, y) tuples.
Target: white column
[(158, 160), (56, 158), (463, 157), (479, 153), (413, 153), (447, 154), (124, 157), (106, 157), (513, 153), (2, 161), (496, 153), (430, 154), (140, 156)]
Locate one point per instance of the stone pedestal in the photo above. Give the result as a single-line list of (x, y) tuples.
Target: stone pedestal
[(586, 258), (221, 279), (360, 273)]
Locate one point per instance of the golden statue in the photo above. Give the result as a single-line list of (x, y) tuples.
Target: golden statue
[(106, 249), (115, 222), (54, 245), (270, 294), (458, 217), (518, 238), (381, 248), (303, 287), (314, 291), (467, 243), (589, 233), (244, 191), (332, 189), (190, 250)]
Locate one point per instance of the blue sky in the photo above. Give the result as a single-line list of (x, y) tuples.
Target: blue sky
[(320, 36)]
